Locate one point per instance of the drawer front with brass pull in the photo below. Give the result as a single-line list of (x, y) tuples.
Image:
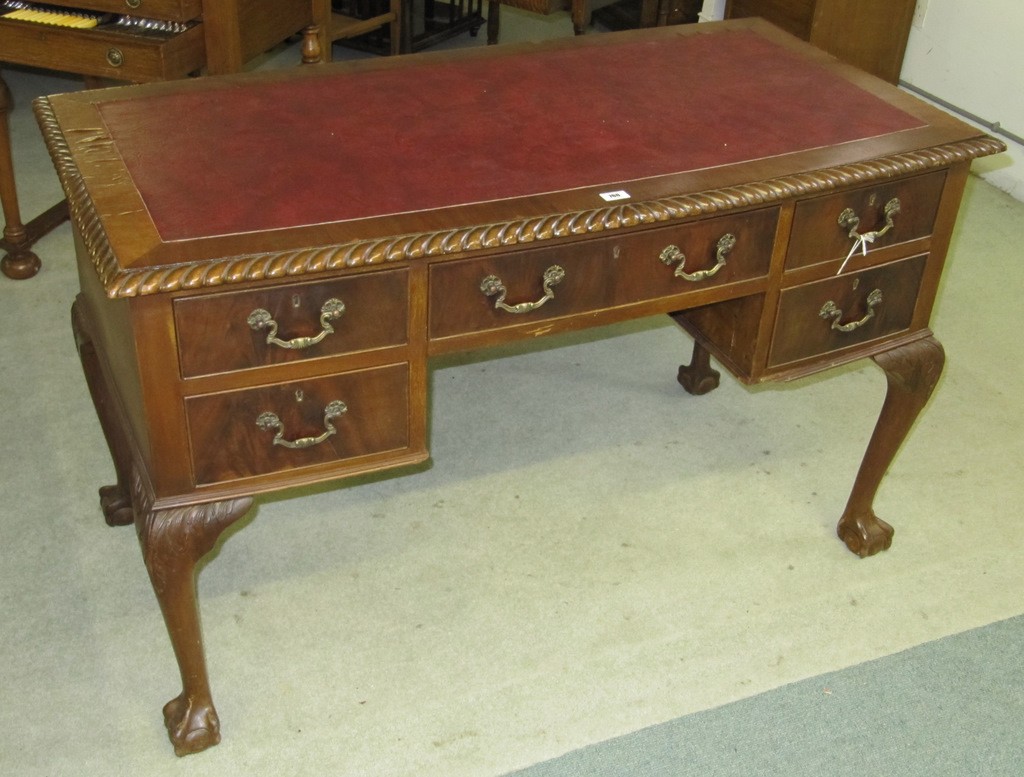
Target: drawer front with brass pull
[(846, 310), (282, 427), (119, 55), (537, 284), (855, 221), (241, 330)]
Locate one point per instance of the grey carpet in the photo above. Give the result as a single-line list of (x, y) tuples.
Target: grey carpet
[(951, 707)]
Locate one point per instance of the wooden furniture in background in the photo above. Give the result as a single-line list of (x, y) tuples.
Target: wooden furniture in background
[(152, 40), (423, 23), (871, 34), (631, 14), (333, 23), (579, 12), (258, 335)]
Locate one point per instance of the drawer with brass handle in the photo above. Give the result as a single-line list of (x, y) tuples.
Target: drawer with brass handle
[(541, 283), (333, 420), (226, 332), (846, 310), (121, 54), (855, 221)]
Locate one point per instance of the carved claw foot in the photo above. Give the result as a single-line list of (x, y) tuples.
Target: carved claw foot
[(116, 504), (911, 373), (865, 535), (191, 725), (697, 381)]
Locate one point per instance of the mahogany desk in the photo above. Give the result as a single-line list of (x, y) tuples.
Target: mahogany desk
[(260, 293)]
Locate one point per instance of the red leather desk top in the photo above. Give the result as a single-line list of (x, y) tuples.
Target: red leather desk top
[(241, 157)]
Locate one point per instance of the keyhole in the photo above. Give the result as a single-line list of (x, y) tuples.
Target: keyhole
[(299, 396), (856, 283), (296, 301)]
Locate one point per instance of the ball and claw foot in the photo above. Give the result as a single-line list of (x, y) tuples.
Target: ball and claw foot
[(116, 506), (865, 535), (191, 725), (698, 379)]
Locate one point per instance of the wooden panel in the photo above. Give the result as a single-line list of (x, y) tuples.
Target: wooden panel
[(238, 30), (601, 273), (818, 237), (871, 34), (802, 332), (793, 16), (214, 335), (227, 444), (729, 330)]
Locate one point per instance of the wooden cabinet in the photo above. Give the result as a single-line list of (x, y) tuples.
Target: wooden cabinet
[(871, 34)]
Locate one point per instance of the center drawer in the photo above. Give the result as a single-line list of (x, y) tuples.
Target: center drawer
[(538, 284)]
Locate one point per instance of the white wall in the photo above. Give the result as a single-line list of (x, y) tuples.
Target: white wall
[(970, 55)]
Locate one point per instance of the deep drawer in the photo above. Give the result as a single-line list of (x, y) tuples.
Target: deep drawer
[(232, 435), (105, 53), (819, 236), (543, 283), (215, 334), (846, 310)]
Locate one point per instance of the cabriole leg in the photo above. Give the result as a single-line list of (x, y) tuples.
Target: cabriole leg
[(912, 372), (173, 541)]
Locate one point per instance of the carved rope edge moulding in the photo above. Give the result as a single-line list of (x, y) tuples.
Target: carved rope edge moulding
[(131, 283)]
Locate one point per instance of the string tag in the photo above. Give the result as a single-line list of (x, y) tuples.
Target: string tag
[(862, 243)]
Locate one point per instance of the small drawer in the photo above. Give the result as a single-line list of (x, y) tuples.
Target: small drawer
[(240, 330), (272, 429), (846, 310), (105, 52), (538, 284), (822, 226)]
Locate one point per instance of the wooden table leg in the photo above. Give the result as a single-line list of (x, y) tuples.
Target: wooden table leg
[(173, 541), (580, 12), (493, 22), (699, 377), (115, 500), (19, 262), (912, 372)]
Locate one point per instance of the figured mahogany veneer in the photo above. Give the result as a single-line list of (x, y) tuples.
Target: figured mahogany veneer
[(374, 315), (272, 328), (602, 274)]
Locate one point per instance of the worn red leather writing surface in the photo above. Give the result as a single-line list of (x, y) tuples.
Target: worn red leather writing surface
[(442, 133)]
